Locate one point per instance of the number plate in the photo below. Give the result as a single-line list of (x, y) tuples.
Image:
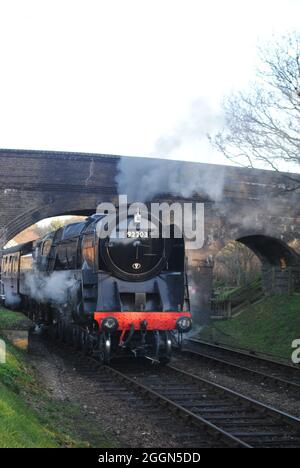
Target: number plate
[(137, 234)]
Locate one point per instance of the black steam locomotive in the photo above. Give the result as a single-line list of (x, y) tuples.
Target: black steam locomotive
[(108, 288)]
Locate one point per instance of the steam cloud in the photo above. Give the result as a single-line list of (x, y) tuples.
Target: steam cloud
[(55, 287), (199, 123), (142, 179), (11, 299)]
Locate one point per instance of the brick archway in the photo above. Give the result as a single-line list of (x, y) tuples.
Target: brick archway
[(38, 184)]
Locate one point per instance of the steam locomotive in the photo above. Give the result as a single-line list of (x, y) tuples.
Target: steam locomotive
[(109, 289)]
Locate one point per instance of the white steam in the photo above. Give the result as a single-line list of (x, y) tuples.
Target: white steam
[(141, 179), (201, 120), (56, 287), (12, 300)]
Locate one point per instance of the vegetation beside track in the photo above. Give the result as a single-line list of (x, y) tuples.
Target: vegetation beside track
[(267, 327), (240, 293), (11, 319), (29, 417)]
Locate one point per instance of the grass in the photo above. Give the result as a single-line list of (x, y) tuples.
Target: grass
[(11, 319), (268, 327), (19, 426), (15, 374), (238, 291), (29, 417)]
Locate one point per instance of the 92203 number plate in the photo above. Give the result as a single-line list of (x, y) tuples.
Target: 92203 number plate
[(137, 234)]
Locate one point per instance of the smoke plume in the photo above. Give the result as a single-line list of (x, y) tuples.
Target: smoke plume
[(141, 179), (55, 287), (12, 300), (198, 124)]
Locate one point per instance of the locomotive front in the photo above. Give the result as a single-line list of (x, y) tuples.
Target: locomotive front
[(142, 303), (123, 280)]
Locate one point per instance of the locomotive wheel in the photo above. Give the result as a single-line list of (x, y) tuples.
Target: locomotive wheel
[(76, 340), (168, 345), (165, 349), (54, 331), (105, 348), (61, 329), (78, 343), (69, 334), (87, 345), (82, 339)]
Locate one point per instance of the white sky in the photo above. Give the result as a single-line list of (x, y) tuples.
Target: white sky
[(114, 76)]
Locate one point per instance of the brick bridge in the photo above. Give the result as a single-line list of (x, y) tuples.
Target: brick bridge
[(256, 207)]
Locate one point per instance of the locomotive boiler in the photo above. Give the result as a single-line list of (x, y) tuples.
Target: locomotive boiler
[(108, 288)]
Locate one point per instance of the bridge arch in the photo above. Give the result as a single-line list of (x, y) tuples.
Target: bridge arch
[(49, 207), (279, 266), (274, 269), (280, 263), (28, 219), (271, 250)]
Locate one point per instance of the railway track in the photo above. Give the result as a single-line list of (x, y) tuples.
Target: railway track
[(211, 415), (227, 416), (284, 375), (173, 429)]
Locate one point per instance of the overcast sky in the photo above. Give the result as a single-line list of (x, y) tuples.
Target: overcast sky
[(129, 77)]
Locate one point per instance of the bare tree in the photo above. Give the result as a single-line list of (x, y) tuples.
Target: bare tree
[(52, 226), (263, 124), (56, 224), (236, 265)]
